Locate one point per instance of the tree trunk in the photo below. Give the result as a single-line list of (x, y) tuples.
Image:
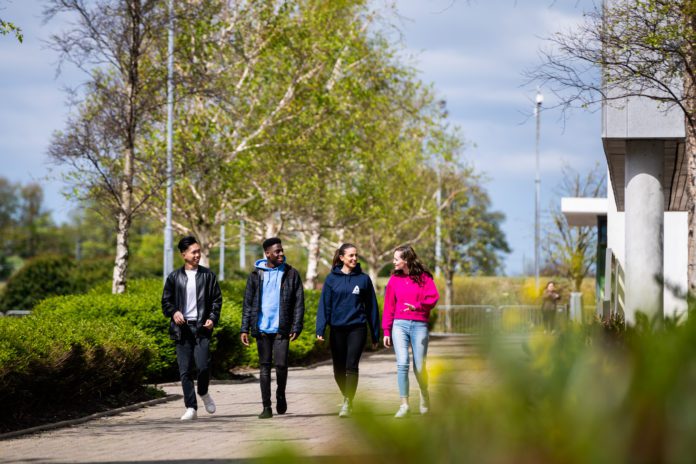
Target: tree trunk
[(119, 281), (690, 153), (125, 217), (314, 251), (203, 236)]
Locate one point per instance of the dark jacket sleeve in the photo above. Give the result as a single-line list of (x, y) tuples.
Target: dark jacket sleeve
[(372, 310), (324, 310), (248, 303), (298, 313), (216, 297), (169, 296)]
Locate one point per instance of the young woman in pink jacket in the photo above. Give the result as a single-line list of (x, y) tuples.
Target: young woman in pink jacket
[(409, 297)]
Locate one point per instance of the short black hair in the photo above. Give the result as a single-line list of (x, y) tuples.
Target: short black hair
[(269, 242), (186, 242)]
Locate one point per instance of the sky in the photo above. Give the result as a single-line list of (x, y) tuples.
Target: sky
[(473, 52)]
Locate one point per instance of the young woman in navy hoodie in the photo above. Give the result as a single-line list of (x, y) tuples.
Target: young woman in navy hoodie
[(348, 305)]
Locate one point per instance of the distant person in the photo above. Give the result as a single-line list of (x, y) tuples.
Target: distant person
[(273, 312), (192, 300), (548, 306), (408, 299), (347, 305)]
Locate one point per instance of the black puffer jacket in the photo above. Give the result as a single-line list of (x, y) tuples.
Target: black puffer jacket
[(208, 299), (291, 315)]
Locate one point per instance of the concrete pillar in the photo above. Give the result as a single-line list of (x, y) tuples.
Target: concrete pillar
[(645, 214)]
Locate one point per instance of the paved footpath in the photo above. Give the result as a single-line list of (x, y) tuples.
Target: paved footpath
[(156, 435)]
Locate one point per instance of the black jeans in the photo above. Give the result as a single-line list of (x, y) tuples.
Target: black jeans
[(347, 345), (190, 349), (273, 348)]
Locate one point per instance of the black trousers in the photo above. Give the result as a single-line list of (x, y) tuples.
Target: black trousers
[(273, 348), (191, 349), (347, 345)]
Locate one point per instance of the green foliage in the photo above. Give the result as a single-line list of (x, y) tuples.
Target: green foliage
[(40, 278), (7, 27), (585, 395), (140, 307), (45, 357)]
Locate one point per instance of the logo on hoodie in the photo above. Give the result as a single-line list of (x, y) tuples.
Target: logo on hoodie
[(356, 290)]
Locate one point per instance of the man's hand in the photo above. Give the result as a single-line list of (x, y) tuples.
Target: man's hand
[(293, 337), (375, 345), (387, 341), (178, 318), (208, 324), (320, 338), (245, 338)]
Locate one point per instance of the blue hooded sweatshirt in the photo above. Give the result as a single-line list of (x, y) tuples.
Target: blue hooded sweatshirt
[(348, 299), (270, 296)]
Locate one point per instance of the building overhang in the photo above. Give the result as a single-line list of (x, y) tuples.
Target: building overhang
[(674, 174), (580, 212)]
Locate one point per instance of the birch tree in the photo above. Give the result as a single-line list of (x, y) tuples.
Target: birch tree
[(115, 43)]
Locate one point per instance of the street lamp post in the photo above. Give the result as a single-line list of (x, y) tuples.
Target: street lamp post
[(537, 189), (168, 245)]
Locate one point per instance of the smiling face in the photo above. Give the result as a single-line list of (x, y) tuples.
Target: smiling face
[(274, 255), (192, 255), (399, 263), (349, 258)]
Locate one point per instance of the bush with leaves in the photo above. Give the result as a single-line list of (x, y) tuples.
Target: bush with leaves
[(40, 277), (53, 362)]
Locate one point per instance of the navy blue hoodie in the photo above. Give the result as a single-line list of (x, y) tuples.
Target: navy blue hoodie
[(348, 299)]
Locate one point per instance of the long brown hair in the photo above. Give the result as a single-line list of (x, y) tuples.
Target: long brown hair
[(416, 269), (340, 252)]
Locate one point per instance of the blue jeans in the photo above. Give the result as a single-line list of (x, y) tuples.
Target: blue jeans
[(414, 334)]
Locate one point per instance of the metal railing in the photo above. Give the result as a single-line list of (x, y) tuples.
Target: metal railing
[(474, 319)]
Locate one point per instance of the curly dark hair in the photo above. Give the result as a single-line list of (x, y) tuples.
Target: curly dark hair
[(416, 269)]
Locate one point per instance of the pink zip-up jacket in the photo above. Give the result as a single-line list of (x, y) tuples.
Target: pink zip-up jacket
[(401, 289)]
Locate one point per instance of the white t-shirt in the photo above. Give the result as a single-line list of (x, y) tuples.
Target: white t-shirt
[(191, 311)]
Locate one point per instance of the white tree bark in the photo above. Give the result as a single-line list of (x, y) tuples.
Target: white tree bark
[(314, 251)]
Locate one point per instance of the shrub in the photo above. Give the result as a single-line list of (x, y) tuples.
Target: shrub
[(51, 361), (39, 278)]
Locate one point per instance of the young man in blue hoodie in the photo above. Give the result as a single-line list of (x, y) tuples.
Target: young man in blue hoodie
[(273, 312)]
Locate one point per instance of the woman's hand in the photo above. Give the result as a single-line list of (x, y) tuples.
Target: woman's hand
[(409, 307), (387, 341)]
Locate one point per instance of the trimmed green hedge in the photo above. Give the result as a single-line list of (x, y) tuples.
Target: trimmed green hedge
[(140, 307), (51, 359)]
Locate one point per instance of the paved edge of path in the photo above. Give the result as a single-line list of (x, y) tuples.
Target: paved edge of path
[(97, 415), (144, 404)]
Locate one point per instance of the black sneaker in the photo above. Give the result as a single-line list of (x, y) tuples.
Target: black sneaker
[(267, 413), (281, 404)]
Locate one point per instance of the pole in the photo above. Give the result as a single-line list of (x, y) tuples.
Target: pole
[(242, 246), (221, 274), (168, 245), (438, 225), (537, 190)]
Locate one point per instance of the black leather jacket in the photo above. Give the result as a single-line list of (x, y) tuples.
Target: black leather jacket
[(291, 315), (209, 299)]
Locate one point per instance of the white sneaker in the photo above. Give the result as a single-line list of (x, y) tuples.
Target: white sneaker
[(190, 414), (209, 403), (346, 408), (403, 411), (424, 404)]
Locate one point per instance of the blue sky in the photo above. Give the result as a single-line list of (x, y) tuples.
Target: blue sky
[(473, 52)]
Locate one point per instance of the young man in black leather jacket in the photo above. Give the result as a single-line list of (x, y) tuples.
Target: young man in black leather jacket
[(273, 311), (192, 300)]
